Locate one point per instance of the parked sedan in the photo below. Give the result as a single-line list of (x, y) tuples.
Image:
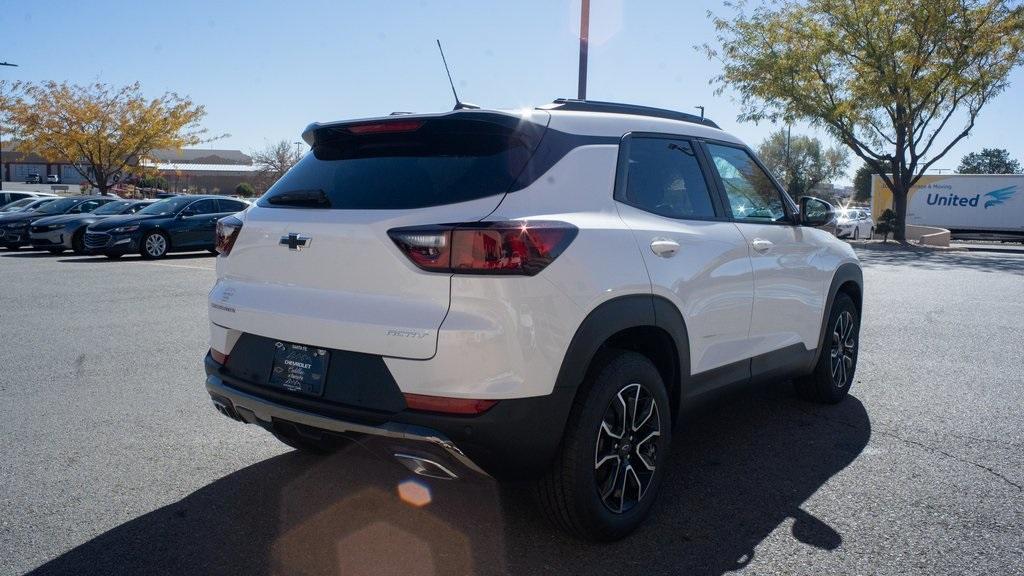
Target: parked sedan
[(9, 196), (25, 204), (854, 223), (14, 226), (179, 224), (67, 231)]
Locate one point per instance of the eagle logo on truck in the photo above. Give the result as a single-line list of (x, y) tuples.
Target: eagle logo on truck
[(1000, 196)]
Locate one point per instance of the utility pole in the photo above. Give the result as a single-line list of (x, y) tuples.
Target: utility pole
[(584, 42), (789, 158), (298, 150), (3, 172)]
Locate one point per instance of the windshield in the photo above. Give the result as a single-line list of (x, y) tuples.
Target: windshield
[(17, 204), (168, 206), (113, 207), (58, 206)]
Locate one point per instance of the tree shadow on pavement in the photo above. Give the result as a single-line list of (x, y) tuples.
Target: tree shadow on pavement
[(872, 254), (739, 470)]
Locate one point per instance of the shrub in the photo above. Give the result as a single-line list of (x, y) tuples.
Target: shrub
[(886, 224), (245, 190)]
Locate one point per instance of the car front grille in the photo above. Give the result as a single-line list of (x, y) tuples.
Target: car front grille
[(96, 239)]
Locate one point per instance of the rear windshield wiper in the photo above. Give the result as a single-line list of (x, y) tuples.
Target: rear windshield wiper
[(301, 198)]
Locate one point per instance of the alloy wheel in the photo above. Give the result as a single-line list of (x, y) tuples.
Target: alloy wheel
[(156, 245), (844, 346), (626, 453)]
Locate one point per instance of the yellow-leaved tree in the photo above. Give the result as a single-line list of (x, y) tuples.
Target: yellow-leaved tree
[(101, 129), (900, 82)]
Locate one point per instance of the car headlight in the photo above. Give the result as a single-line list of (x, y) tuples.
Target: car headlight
[(54, 226), (125, 229)]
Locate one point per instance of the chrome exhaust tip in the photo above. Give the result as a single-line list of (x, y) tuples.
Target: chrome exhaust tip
[(425, 467)]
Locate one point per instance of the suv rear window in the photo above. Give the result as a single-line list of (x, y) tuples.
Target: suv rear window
[(433, 162)]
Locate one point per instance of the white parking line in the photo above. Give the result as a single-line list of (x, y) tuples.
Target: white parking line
[(180, 266)]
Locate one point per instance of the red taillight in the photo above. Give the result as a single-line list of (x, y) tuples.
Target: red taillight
[(448, 405), (227, 232), (523, 248), (219, 357), (388, 127)]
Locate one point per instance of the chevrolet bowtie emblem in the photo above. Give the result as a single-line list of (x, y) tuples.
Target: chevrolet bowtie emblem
[(295, 241)]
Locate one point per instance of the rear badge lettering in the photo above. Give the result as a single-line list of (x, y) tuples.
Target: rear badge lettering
[(400, 333)]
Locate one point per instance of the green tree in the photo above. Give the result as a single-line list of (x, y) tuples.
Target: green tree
[(862, 183), (989, 161), (101, 129), (801, 162), (158, 182), (245, 190), (900, 82)]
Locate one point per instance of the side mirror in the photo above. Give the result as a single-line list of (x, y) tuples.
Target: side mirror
[(815, 211)]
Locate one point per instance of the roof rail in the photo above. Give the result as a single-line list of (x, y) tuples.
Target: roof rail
[(573, 105)]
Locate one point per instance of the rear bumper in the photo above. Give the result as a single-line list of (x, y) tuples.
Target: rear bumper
[(514, 440), (254, 410)]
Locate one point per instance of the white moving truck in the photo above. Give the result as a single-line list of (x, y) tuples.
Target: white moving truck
[(970, 206)]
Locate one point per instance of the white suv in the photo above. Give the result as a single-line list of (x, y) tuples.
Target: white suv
[(527, 294)]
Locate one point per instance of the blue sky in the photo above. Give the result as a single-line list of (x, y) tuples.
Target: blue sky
[(265, 69)]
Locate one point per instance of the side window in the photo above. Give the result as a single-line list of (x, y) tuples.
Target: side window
[(89, 206), (207, 206), (664, 178), (752, 195), (135, 208), (231, 206)]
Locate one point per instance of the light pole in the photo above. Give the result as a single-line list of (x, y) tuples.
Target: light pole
[(584, 45), (298, 150), (2, 171)]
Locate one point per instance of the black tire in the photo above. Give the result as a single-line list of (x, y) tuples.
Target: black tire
[(148, 247), (833, 375), (856, 233), (212, 251), (113, 256), (78, 242), (578, 493), (13, 247), (55, 251)]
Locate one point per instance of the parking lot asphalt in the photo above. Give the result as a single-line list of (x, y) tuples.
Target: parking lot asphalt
[(114, 462)]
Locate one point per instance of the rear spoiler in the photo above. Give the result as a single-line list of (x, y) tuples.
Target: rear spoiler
[(539, 119)]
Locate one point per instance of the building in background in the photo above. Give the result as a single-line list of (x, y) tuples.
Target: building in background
[(202, 171), (194, 170)]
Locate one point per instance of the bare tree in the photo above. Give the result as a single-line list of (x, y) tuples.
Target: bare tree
[(272, 161)]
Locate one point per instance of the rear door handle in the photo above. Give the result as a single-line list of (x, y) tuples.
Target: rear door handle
[(761, 245), (664, 247)]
